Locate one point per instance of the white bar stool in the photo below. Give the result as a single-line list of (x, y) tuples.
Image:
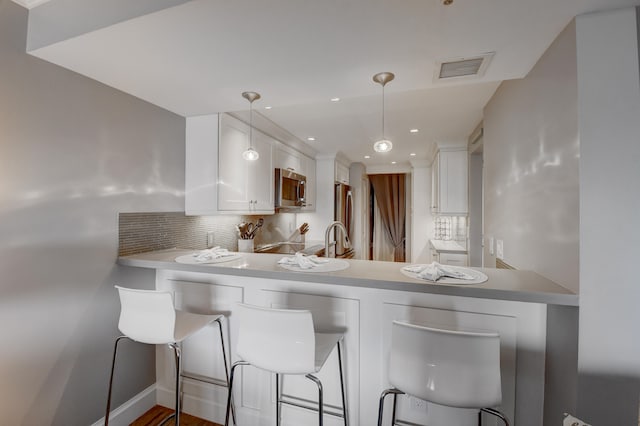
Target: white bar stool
[(149, 316), (283, 341), (446, 367)]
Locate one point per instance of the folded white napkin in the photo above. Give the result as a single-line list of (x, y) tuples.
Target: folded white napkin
[(303, 261), (211, 254), (434, 271)]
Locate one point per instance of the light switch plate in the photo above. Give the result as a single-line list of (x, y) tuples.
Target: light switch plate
[(210, 239), (500, 249)]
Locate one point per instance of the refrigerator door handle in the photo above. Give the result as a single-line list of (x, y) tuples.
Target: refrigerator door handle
[(349, 213)]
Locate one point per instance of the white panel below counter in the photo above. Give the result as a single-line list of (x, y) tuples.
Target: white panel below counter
[(366, 315)]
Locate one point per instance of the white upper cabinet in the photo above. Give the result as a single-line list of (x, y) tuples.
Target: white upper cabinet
[(342, 173), (288, 158), (309, 170), (449, 192), (244, 186), (218, 180), (435, 184)]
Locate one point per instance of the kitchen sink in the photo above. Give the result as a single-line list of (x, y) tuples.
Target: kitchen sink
[(289, 247)]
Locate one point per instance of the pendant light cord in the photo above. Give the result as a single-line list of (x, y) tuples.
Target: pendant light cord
[(383, 112), (251, 125)]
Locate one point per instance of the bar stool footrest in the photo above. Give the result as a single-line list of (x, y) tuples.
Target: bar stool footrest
[(204, 379), (311, 405)]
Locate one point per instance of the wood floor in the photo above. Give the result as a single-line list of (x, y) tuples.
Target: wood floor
[(158, 413)]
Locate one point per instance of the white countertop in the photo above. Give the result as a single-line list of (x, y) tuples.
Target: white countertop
[(447, 246), (524, 286)]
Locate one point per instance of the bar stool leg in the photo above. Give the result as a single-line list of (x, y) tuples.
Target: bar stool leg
[(320, 403), (176, 351), (395, 406), (384, 394), (278, 405), (226, 367), (345, 410), (494, 412), (233, 370), (113, 365)]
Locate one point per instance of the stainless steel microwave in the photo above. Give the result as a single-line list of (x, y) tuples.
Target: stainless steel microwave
[(290, 189)]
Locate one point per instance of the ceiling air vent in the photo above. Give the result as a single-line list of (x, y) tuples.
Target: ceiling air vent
[(471, 67)]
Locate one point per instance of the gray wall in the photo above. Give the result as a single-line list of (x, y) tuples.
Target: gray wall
[(73, 153), (609, 117), (531, 154), (579, 107)]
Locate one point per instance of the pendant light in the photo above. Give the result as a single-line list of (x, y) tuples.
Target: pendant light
[(383, 145), (250, 154)]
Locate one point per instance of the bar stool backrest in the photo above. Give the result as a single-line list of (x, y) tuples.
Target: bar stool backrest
[(147, 316), (453, 368), (277, 340)]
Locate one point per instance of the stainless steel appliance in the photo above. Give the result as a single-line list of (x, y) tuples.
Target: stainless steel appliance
[(290, 189), (343, 212)]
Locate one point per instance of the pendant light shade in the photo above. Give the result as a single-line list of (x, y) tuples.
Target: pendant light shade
[(383, 145), (250, 154)]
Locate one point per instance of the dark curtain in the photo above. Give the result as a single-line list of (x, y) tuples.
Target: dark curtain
[(391, 195)]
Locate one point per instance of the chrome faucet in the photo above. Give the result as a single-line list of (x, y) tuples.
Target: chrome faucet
[(327, 233)]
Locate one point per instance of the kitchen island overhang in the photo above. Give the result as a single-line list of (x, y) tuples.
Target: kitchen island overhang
[(363, 300)]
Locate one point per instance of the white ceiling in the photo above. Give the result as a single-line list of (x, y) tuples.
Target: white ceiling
[(196, 58)]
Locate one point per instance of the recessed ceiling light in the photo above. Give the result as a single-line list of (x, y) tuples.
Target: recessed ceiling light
[(268, 107), (414, 130), (413, 154), (393, 162), (367, 156), (335, 99), (311, 139)]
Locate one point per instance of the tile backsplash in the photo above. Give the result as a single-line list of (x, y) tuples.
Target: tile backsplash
[(142, 232), (450, 228)]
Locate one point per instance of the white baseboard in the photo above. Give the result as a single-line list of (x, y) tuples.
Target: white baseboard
[(125, 414), (198, 399)]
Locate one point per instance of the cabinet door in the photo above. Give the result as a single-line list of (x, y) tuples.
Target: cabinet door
[(453, 182), (435, 184), (449, 182), (342, 173), (309, 170), (260, 185), (287, 158), (233, 177), (244, 186)]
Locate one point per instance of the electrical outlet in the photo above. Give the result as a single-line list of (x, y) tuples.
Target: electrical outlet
[(491, 246), (210, 239), (417, 403), (500, 249)]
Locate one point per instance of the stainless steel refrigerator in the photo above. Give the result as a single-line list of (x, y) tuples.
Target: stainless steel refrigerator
[(343, 212)]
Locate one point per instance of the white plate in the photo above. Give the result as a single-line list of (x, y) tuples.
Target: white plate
[(189, 259), (478, 277), (332, 266)]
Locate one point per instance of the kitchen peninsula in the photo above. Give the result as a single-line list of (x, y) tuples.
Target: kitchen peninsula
[(363, 300)]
